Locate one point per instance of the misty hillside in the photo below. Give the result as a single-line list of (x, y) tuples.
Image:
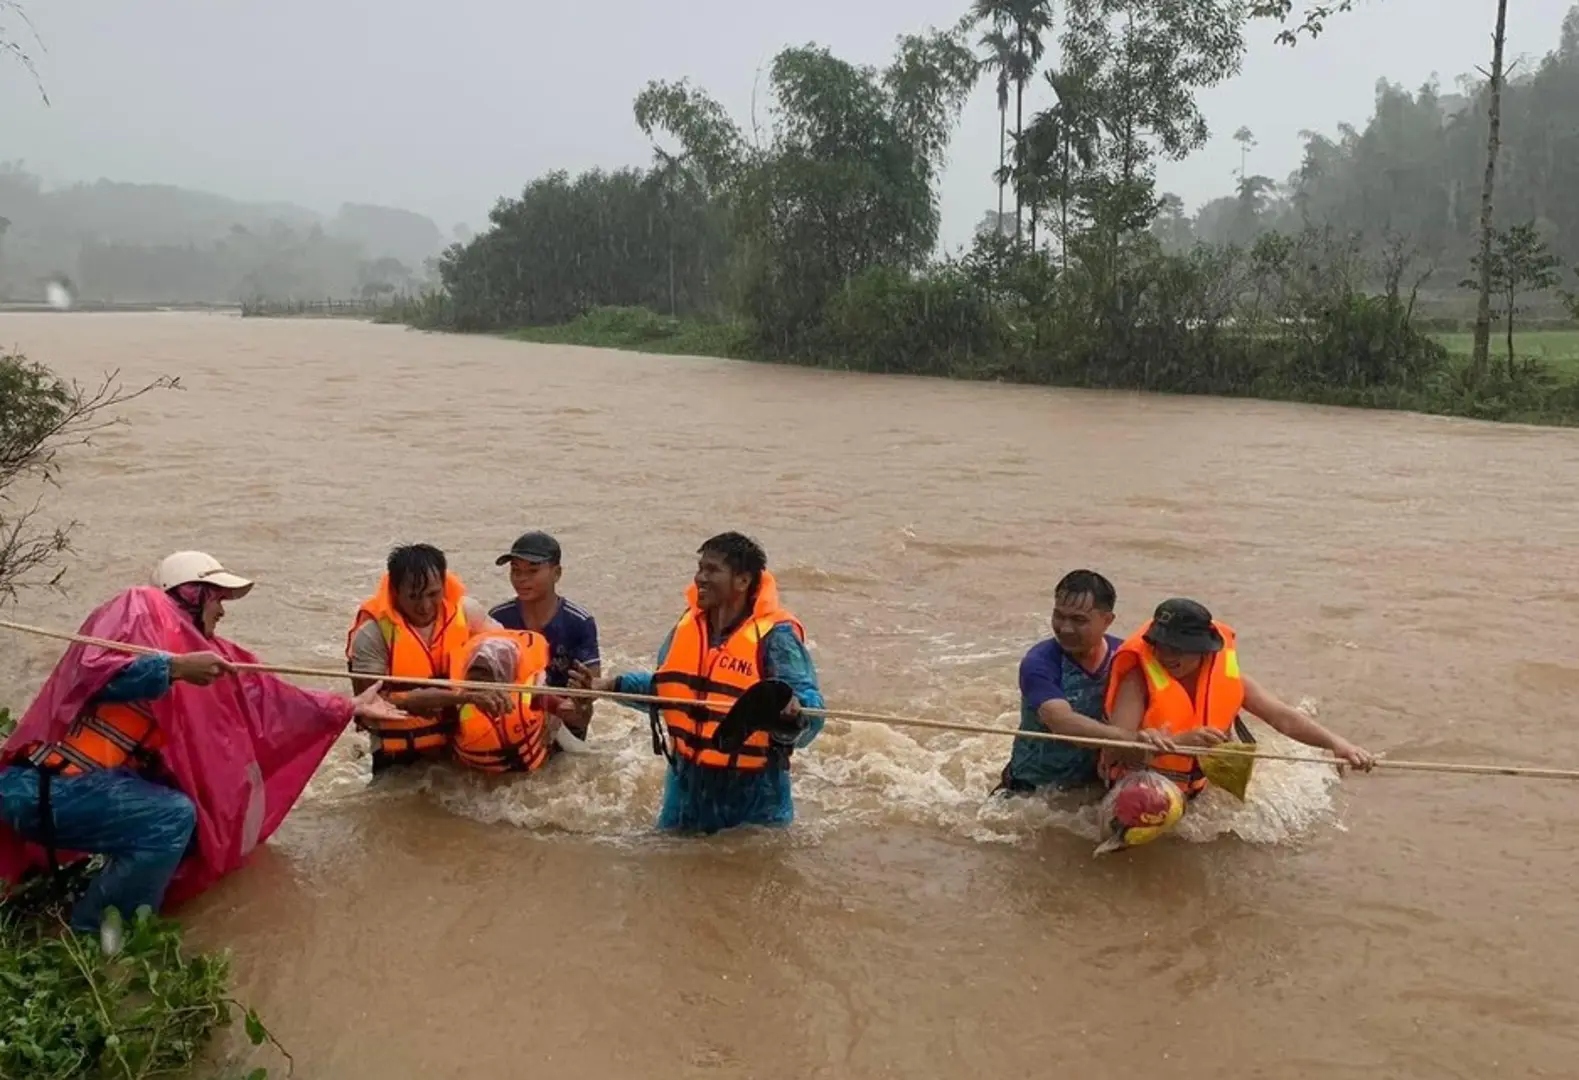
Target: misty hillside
[(1412, 174), (142, 243), (386, 232)]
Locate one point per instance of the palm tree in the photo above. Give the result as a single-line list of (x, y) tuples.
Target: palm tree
[(1074, 121), (1000, 58), (1022, 23), (1246, 139)]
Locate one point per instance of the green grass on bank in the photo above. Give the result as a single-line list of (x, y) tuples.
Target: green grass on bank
[(1549, 396), (641, 330), (1558, 349), (647, 331)]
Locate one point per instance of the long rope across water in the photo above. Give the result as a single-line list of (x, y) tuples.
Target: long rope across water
[(1479, 769)]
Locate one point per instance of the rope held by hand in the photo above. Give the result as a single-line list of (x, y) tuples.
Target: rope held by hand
[(1482, 769)]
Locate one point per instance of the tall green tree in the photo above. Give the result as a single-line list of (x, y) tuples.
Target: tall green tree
[(711, 141), (630, 238), (1000, 60), (1023, 24), (672, 180), (1246, 139), (1172, 227), (1149, 58), (1064, 139), (846, 180), (1312, 25)]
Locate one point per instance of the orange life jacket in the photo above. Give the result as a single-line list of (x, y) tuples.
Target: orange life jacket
[(517, 741), (694, 675), (1219, 695), (410, 656), (104, 737)]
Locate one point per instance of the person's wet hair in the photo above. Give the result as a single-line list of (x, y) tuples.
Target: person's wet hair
[(740, 553), (415, 563), (1078, 583)]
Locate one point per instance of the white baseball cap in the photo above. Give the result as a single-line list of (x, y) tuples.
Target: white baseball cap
[(188, 567)]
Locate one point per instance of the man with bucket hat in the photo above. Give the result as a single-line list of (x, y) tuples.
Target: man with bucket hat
[(1180, 675)]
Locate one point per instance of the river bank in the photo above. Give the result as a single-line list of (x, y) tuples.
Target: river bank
[(1543, 389)]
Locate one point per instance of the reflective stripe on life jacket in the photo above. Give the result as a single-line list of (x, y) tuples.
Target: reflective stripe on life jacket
[(698, 675), (517, 741), (412, 657), (1219, 695), (104, 737)]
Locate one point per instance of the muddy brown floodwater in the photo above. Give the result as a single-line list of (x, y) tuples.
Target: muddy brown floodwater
[(1410, 578)]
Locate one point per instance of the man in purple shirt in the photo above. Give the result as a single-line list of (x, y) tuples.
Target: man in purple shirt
[(572, 632), (1063, 683)]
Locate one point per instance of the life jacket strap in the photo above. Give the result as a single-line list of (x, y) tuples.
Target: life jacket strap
[(46, 819)]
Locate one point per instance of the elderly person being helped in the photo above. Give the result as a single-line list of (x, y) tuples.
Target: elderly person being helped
[(522, 738), (1179, 675), (127, 756), (733, 635)]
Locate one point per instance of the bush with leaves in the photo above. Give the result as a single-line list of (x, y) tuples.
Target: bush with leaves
[(938, 322), (68, 1011)]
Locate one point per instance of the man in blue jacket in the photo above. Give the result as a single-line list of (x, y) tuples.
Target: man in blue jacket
[(734, 634)]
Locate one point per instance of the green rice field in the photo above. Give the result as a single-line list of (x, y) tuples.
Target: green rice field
[(1559, 348)]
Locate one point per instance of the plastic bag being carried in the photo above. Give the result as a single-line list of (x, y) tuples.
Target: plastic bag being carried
[(1138, 809)]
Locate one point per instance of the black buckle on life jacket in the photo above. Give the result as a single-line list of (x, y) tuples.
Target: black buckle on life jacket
[(660, 736)]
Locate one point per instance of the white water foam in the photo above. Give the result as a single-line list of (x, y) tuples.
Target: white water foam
[(854, 773)]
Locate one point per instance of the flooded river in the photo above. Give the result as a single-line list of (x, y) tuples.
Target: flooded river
[(1409, 578)]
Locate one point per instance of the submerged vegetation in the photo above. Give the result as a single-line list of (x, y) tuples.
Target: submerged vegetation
[(813, 239)]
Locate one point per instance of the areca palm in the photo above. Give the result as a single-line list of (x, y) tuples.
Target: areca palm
[(1022, 24), (1000, 58), (1073, 119)]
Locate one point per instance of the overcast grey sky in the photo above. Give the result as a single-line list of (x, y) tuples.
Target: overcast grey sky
[(442, 107)]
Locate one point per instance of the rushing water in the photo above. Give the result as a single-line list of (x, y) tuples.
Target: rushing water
[(1406, 577)]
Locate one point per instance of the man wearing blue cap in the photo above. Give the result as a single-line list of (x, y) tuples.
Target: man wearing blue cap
[(572, 632)]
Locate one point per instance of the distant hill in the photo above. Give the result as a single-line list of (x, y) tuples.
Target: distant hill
[(384, 231), (161, 243)]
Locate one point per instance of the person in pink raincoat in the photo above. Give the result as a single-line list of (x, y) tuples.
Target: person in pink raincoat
[(173, 765)]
